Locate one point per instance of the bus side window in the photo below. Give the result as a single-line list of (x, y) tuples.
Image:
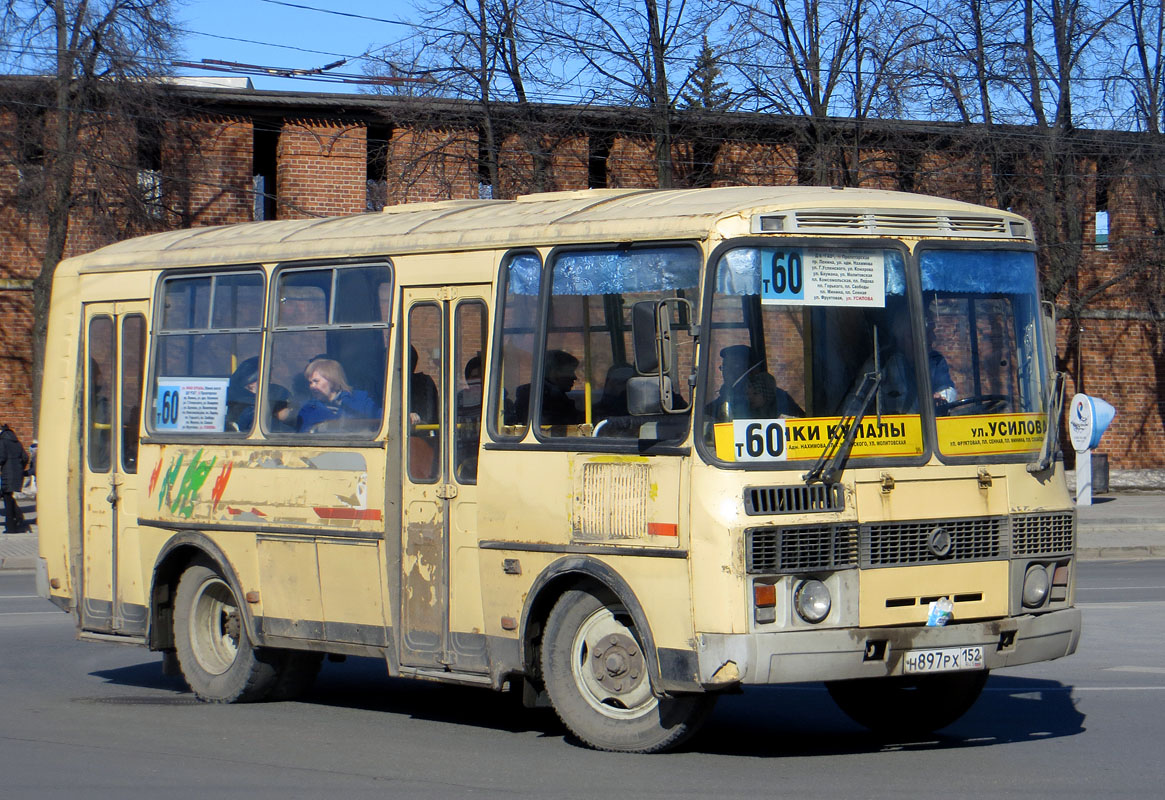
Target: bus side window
[(423, 393), (326, 371), (469, 337), (210, 329), (589, 348), (520, 276)]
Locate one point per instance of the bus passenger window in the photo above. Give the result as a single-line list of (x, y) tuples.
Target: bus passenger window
[(210, 331), (426, 333), (101, 377), (521, 275), (469, 337), (587, 363), (329, 335)]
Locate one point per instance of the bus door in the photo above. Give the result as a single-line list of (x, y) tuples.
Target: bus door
[(115, 341), (445, 337)]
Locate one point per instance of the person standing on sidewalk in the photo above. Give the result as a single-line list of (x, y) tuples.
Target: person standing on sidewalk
[(13, 461)]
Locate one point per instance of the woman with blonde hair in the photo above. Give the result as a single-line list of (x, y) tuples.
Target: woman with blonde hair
[(332, 396)]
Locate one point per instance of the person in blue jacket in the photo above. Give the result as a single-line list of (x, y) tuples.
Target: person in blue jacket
[(332, 397)]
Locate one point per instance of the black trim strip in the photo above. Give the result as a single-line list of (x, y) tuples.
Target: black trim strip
[(332, 533), (243, 440), (584, 549), (579, 445)]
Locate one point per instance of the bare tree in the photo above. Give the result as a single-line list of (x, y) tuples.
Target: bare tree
[(628, 52), (477, 50), (824, 58), (98, 55)]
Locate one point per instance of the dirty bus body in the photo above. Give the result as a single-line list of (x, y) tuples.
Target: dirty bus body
[(627, 449)]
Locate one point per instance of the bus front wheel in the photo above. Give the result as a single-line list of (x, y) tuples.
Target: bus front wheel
[(218, 661), (596, 675), (908, 705)]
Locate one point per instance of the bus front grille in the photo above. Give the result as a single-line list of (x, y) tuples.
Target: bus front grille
[(1043, 534), (760, 500), (804, 549), (897, 544)]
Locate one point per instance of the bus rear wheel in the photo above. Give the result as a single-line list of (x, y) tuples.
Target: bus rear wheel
[(908, 705), (596, 675), (214, 651)]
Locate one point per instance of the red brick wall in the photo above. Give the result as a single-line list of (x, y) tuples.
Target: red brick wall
[(321, 165), (208, 166), (323, 169), (756, 165), (432, 165)]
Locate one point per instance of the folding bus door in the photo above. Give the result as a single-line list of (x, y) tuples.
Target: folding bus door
[(114, 347)]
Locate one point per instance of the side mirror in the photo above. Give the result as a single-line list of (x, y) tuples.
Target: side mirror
[(643, 331), (647, 395)]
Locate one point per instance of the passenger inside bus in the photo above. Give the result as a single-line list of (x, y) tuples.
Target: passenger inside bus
[(469, 421), (766, 400), (423, 402), (558, 408), (898, 391), (241, 389), (747, 390), (333, 398)]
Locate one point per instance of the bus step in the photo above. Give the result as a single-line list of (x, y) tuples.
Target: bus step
[(113, 638), (464, 678)]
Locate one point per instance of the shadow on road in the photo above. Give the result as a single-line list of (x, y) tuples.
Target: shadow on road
[(802, 720), (797, 720)]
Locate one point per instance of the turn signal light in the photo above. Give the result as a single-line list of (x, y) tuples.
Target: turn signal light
[(764, 595)]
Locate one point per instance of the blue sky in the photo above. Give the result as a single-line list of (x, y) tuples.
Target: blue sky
[(278, 34)]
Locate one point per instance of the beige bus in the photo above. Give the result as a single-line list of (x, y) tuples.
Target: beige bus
[(619, 450)]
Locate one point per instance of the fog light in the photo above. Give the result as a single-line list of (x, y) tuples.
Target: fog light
[(1035, 586), (812, 601)]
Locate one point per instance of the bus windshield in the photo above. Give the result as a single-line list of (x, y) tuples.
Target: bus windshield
[(982, 318), (796, 330)]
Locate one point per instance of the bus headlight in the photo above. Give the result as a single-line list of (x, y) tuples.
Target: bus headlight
[(1035, 586), (812, 601)]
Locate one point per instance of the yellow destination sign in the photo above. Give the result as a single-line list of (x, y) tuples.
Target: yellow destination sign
[(798, 439), (981, 434)]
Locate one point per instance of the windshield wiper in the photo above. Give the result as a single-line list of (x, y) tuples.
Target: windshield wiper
[(1052, 425), (842, 441)]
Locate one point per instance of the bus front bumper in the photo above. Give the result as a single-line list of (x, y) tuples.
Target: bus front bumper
[(840, 654)]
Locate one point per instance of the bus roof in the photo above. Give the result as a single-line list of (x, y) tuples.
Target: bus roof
[(544, 219)]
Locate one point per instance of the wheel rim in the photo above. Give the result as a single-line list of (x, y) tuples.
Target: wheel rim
[(215, 627), (608, 666)]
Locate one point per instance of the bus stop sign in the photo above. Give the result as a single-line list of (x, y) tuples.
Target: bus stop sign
[(1088, 419)]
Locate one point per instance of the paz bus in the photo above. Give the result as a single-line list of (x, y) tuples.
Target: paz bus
[(617, 450)]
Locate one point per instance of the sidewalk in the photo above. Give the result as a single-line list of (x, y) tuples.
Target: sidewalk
[(1118, 525)]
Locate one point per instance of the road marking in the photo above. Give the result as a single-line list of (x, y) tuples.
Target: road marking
[(1113, 588), (26, 613), (19, 596), (1153, 670), (1122, 604)]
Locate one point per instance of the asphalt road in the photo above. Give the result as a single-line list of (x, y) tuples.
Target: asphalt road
[(100, 721)]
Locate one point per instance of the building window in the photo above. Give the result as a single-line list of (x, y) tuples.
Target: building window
[(1102, 230)]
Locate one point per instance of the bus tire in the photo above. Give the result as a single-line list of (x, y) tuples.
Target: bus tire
[(218, 661), (908, 705), (597, 679)]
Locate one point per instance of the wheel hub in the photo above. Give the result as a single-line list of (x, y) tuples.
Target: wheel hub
[(617, 663)]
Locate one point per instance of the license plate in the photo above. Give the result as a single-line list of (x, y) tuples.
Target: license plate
[(942, 659)]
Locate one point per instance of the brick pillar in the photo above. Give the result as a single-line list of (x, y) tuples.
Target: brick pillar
[(322, 169)]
